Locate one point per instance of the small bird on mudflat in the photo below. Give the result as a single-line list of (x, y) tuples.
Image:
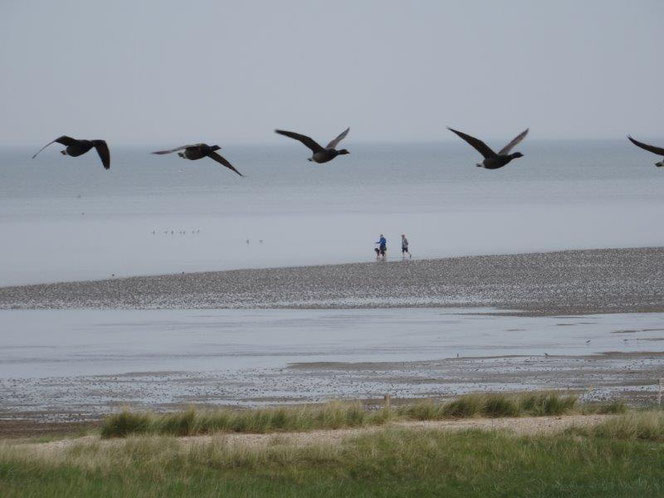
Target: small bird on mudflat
[(199, 151), (650, 148), (320, 154), (75, 148), (493, 160)]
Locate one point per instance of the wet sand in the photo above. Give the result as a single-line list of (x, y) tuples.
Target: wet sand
[(631, 377), (578, 282), (75, 365)]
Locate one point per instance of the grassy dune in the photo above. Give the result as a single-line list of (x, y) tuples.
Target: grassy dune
[(338, 415), (623, 456), (333, 415), (644, 426)]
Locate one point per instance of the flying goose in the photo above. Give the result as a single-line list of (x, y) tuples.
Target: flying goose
[(650, 148), (77, 148), (491, 159), (320, 154), (199, 151)]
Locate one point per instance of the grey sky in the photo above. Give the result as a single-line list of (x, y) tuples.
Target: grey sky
[(169, 72)]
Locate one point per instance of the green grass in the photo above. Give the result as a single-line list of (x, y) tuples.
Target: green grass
[(494, 405), (635, 426), (623, 456), (334, 415), (610, 408)]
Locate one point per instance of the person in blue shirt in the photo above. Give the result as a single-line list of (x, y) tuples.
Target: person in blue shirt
[(381, 250)]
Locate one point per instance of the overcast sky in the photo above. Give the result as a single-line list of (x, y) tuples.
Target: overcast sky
[(171, 72)]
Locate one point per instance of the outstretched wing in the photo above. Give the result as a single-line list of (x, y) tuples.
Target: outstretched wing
[(104, 153), (514, 142), (64, 140), (649, 148), (173, 150), (480, 146), (223, 161), (333, 144), (309, 142)]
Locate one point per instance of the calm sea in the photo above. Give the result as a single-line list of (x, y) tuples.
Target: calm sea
[(66, 218)]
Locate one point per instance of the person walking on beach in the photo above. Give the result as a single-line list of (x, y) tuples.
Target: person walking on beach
[(381, 250), (404, 247)]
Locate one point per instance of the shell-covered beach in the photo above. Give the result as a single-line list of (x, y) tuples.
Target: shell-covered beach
[(586, 281)]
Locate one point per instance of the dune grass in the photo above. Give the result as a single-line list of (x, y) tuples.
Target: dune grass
[(633, 426), (492, 405), (337, 415), (621, 457), (615, 407)]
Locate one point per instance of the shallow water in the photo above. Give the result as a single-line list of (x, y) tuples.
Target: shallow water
[(44, 343), (66, 218), (87, 361)]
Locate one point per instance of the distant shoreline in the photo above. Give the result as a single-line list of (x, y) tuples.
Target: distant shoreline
[(574, 281)]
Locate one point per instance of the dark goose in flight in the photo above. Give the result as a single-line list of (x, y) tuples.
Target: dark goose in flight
[(77, 148), (493, 160), (320, 154), (199, 151), (650, 148)]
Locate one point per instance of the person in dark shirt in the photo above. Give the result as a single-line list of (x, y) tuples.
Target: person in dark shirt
[(404, 246)]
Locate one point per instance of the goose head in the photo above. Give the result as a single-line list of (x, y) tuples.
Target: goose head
[(344, 151), (214, 147), (516, 155)]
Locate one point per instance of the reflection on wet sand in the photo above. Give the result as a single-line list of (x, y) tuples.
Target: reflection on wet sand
[(78, 364)]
